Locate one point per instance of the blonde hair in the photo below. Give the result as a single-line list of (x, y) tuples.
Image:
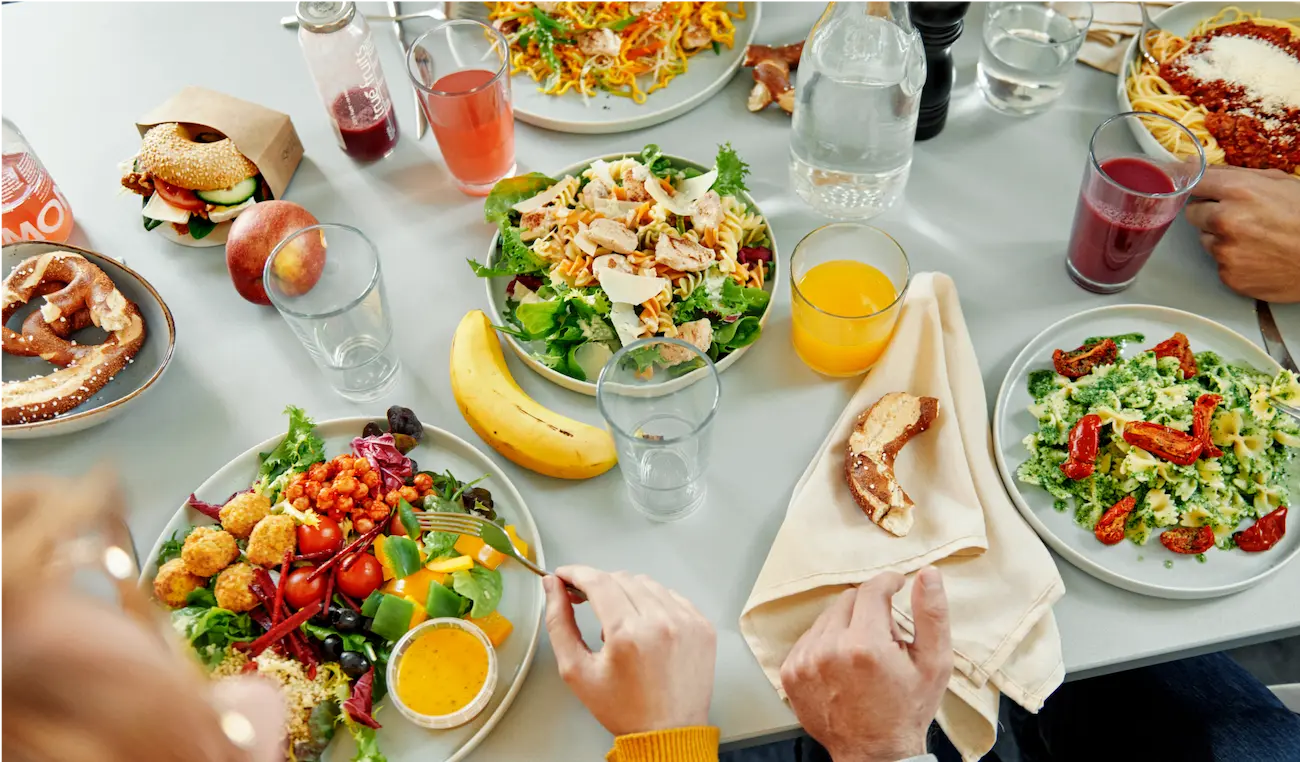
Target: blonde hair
[(82, 681)]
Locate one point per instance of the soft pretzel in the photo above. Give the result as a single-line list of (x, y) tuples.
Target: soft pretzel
[(880, 433), (77, 294)]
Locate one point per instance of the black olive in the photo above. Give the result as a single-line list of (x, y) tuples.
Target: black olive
[(402, 421), (372, 429), (348, 621), (365, 625), (332, 647), (334, 611), (354, 663), (415, 468)]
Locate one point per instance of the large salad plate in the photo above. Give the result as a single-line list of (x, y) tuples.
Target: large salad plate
[(522, 601), (128, 386), (1179, 19), (496, 288), (706, 74), (1148, 569)]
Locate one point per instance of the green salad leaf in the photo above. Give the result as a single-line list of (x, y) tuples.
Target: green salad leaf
[(621, 24), (510, 191), (211, 630), (299, 449), (320, 731), (515, 257), (441, 544), (655, 161), (200, 227), (202, 597), (548, 32), (173, 546), (482, 586), (733, 336), (541, 319), (732, 171)]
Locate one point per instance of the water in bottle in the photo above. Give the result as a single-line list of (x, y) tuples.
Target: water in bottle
[(856, 101)]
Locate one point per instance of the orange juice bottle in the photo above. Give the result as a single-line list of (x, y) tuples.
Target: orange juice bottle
[(843, 315), (34, 209)]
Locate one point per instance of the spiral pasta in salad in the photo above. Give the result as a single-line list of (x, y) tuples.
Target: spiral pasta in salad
[(625, 49), (627, 249)]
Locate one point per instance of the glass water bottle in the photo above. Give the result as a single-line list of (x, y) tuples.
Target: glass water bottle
[(856, 102)]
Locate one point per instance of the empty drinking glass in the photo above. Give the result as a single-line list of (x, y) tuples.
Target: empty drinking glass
[(659, 396), (334, 302), (1028, 51)]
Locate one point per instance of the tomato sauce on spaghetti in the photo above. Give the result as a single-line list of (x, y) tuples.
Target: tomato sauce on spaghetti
[(1250, 135)]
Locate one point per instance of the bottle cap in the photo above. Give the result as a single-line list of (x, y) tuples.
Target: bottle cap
[(322, 18)]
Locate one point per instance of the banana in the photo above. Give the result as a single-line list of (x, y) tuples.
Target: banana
[(511, 421)]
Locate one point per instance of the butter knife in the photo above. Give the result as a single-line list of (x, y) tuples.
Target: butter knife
[(1273, 343), (420, 122)]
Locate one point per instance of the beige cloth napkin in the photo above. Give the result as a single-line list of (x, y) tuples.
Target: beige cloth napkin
[(1113, 25), (1000, 579)]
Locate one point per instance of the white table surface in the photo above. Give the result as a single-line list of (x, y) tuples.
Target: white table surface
[(990, 202)]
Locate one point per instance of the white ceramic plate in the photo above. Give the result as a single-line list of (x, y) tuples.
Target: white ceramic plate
[(706, 74), (130, 384), (522, 600), (1180, 19), (496, 289), (1140, 569)]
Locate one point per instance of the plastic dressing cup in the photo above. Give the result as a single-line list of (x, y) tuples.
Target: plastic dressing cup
[(414, 701)]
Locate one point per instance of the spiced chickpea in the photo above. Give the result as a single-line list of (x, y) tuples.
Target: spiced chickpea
[(346, 485), (361, 466), (423, 482), (409, 494), (371, 480), (311, 489), (344, 503), (363, 525), (361, 491), (344, 462), (302, 504), (318, 472), (293, 492)]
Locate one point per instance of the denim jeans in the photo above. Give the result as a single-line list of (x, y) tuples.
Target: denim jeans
[(1194, 710)]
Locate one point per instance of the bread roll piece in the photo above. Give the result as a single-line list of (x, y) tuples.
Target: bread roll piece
[(880, 433)]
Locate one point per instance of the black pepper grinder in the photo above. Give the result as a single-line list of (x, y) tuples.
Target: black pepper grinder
[(940, 25)]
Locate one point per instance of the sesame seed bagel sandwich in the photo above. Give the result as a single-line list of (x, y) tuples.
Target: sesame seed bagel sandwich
[(194, 182)]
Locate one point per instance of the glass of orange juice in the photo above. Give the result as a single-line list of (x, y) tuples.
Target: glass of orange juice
[(847, 281)]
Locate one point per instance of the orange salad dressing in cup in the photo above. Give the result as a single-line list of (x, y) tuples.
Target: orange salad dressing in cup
[(443, 673)]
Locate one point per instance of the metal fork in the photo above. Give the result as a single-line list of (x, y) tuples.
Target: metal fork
[(1147, 26), (494, 536)]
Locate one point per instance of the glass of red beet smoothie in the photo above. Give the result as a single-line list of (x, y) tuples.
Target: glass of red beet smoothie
[(1126, 204)]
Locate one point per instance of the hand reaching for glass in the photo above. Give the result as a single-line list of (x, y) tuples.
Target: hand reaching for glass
[(655, 671), (856, 686)]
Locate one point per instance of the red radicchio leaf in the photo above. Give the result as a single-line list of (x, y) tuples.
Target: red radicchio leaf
[(384, 457), (212, 510), (359, 705), (531, 281), (750, 254)]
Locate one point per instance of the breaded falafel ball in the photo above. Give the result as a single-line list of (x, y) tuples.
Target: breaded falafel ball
[(174, 582), (208, 550), (234, 588), (242, 513), (271, 537)]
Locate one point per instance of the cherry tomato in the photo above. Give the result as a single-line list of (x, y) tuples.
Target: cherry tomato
[(325, 536), (299, 591), (181, 198), (1264, 533), (362, 578), (1110, 527)]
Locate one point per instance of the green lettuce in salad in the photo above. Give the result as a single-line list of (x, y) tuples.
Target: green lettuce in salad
[(299, 449)]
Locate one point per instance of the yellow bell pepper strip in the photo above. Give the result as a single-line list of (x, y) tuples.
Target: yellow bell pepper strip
[(419, 614), (449, 565), (496, 627), (416, 586), (384, 563), (480, 551), (520, 545)]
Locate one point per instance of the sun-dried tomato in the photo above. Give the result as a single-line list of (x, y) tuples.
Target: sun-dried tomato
[(1081, 361), (1177, 346), (1110, 527), (1163, 442), (1084, 439), (1264, 533), (1188, 540), (1202, 415)]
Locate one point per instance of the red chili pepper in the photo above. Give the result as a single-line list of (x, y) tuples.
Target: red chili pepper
[(279, 588), (360, 704), (1110, 527), (1202, 415), (1178, 346), (1188, 540), (1081, 361), (366, 538), (1163, 442), (1084, 440), (1264, 533), (282, 629)]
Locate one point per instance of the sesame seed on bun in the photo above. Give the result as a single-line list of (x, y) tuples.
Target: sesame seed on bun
[(170, 154)]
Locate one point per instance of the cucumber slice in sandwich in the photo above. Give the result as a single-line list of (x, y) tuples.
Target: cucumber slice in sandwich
[(235, 194)]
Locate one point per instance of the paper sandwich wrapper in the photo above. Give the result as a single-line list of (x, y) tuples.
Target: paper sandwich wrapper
[(1000, 579), (265, 136)]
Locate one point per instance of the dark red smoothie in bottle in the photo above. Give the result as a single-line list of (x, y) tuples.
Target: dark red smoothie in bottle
[(1116, 229), (367, 135)]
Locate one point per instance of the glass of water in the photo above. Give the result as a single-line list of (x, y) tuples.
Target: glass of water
[(659, 397), (339, 314), (1028, 51)]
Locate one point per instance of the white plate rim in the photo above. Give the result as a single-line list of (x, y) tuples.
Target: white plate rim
[(589, 387), (356, 423), (754, 13), (1021, 364), (105, 412)]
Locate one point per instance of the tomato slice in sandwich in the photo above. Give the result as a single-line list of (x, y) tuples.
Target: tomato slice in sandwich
[(181, 198)]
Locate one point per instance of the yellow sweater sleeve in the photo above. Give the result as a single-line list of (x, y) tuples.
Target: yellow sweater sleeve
[(676, 745)]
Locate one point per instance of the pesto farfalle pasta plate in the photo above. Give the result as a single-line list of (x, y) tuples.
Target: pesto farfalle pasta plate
[(623, 247), (1226, 494)]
